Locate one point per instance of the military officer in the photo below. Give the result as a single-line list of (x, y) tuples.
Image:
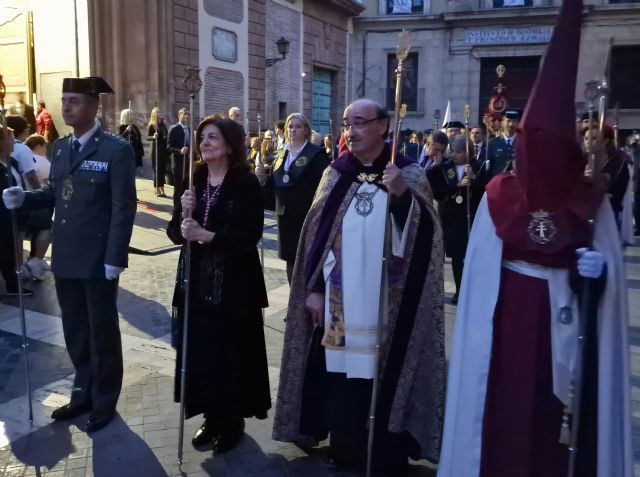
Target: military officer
[(93, 190), (502, 148)]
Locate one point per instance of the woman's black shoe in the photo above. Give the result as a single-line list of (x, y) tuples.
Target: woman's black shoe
[(204, 436), (229, 439)]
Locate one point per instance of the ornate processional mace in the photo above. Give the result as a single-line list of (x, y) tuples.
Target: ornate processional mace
[(436, 120), (402, 51), (192, 83), (17, 247)]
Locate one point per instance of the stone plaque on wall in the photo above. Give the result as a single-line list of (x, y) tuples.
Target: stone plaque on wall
[(224, 45), (229, 10), (502, 36)]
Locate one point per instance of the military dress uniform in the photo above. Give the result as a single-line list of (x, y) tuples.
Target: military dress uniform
[(501, 156), (92, 187)]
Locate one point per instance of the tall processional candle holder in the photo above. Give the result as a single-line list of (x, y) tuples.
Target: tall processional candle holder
[(192, 84), (467, 113), (402, 51), (594, 90)]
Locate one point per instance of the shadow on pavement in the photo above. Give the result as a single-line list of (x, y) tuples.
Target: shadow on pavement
[(146, 315), (121, 452), (45, 447)]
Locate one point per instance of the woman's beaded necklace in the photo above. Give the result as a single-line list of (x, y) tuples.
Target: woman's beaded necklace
[(211, 198)]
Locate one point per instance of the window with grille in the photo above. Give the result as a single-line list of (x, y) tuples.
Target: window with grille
[(404, 6)]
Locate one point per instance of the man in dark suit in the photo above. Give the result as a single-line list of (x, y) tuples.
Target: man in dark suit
[(93, 190), (502, 148), (178, 143)]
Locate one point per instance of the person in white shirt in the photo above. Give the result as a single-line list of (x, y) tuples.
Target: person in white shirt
[(39, 224)]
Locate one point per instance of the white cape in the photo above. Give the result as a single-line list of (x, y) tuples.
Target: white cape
[(472, 343)]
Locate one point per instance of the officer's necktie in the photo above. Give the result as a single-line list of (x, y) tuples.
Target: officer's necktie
[(76, 146)]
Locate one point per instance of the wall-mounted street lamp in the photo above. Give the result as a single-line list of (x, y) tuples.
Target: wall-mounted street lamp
[(283, 49)]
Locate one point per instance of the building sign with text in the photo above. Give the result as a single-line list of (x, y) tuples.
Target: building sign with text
[(502, 36)]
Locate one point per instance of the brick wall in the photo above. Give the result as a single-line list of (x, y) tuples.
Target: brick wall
[(185, 47), (257, 35), (283, 78), (220, 86), (325, 46)]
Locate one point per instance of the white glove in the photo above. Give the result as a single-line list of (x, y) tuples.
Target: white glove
[(13, 197), (112, 272), (590, 263)]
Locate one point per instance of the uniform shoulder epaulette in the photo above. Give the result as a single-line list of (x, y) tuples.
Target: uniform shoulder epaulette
[(116, 137)]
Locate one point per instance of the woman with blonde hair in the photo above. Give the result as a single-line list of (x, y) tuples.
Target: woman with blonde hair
[(159, 154), (131, 133), (295, 176)]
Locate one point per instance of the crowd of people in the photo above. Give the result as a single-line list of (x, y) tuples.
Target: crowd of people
[(363, 230)]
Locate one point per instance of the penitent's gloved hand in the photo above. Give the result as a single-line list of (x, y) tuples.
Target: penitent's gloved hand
[(590, 263), (13, 197)]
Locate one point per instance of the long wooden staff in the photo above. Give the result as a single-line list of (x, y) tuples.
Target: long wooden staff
[(402, 51), (586, 316), (192, 83), (17, 248)]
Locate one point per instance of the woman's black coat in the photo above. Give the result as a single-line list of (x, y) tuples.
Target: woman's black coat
[(227, 373)]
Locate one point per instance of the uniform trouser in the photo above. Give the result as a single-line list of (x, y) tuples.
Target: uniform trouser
[(92, 335), (457, 266)]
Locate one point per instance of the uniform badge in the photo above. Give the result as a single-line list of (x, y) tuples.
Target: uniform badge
[(541, 228), (67, 189), (301, 161), (459, 199), (58, 152), (451, 173)]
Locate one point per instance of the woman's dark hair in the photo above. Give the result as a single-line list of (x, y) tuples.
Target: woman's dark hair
[(233, 134), (18, 124)]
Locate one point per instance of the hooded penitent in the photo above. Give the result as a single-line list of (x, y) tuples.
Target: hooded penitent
[(541, 213)]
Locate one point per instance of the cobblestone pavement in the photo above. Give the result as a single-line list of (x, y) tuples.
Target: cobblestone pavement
[(142, 440)]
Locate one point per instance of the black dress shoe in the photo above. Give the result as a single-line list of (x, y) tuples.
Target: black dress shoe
[(98, 419), (204, 436), (70, 411), (229, 439)]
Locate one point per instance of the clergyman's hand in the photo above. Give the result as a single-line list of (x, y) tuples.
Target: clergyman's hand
[(393, 180), (315, 307)]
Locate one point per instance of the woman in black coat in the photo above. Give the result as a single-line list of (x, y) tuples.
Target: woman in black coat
[(159, 152), (227, 376), (131, 133), (294, 177)]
